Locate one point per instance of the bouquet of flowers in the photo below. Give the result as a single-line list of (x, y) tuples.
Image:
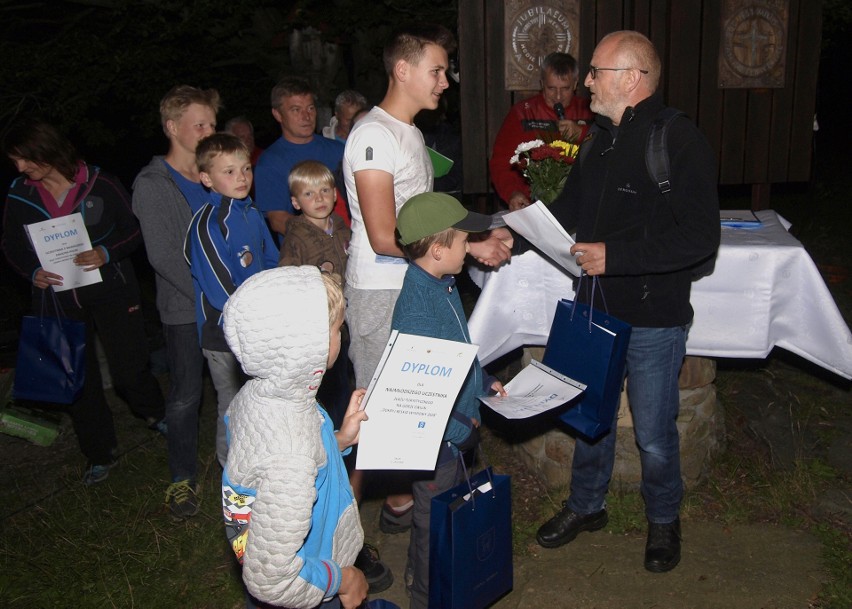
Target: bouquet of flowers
[(546, 165)]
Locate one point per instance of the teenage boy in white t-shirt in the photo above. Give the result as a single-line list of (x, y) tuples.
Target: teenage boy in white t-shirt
[(386, 163)]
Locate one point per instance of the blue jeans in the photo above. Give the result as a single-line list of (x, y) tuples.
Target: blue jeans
[(186, 365), (654, 359)]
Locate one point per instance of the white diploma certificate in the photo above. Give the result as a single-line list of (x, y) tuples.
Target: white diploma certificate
[(56, 242), (536, 389), (539, 227), (409, 401)]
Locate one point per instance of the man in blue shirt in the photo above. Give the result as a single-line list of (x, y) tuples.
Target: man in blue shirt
[(294, 108)]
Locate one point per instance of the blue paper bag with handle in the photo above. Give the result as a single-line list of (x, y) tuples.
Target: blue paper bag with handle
[(470, 543), (51, 362), (589, 346)]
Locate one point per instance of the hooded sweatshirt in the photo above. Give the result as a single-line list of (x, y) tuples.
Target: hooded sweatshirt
[(288, 505)]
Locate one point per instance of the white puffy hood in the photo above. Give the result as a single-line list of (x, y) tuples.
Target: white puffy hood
[(276, 324)]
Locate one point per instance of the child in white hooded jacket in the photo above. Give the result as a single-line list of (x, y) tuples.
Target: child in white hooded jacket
[(289, 510)]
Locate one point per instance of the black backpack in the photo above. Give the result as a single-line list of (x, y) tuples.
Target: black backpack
[(657, 162)]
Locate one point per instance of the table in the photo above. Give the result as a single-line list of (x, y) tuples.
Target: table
[(765, 292)]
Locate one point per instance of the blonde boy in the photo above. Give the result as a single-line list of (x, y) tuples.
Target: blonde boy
[(318, 236)]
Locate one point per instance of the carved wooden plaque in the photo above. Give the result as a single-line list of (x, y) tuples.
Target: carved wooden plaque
[(753, 47), (533, 30)]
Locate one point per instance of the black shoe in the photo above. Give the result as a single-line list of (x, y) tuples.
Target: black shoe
[(565, 526), (378, 574), (662, 552)]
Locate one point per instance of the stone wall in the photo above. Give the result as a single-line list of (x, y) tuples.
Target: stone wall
[(701, 424)]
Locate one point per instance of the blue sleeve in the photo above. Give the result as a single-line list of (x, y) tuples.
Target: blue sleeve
[(210, 258), (271, 189)]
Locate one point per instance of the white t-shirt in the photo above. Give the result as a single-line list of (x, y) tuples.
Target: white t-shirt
[(379, 141)]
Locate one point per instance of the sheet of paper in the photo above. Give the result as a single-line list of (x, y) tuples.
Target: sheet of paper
[(409, 401), (539, 227), (739, 218), (536, 389), (56, 242)]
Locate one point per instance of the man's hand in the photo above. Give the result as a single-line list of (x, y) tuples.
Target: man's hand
[(91, 259), (591, 257), (353, 588), (570, 130), (491, 251), (42, 279), (518, 200)]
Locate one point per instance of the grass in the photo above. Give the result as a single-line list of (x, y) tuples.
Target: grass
[(114, 545)]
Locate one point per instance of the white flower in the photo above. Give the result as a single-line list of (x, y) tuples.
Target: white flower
[(527, 146)]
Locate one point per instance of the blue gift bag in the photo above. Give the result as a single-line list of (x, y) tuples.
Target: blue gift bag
[(591, 347), (470, 545), (51, 362)]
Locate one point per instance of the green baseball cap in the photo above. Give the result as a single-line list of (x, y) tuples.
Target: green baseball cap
[(430, 213)]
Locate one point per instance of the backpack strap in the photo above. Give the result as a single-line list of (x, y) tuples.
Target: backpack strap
[(657, 149), (586, 144)]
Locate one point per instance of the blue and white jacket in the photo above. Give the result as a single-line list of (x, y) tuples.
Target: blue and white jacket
[(226, 243)]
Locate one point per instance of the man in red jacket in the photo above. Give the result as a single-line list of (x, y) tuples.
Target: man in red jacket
[(556, 111)]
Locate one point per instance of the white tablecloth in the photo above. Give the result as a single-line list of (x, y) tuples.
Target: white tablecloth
[(765, 292)]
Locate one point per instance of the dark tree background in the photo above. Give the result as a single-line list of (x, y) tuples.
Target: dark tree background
[(98, 68)]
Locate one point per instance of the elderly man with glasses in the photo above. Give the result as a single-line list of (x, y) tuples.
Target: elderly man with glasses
[(641, 245)]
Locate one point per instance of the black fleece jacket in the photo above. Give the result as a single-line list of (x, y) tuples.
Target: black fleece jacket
[(651, 242)]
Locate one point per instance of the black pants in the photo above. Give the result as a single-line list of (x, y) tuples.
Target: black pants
[(116, 316)]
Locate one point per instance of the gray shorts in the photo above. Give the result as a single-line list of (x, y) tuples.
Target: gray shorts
[(368, 315)]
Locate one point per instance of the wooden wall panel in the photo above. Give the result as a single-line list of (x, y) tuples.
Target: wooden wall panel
[(476, 136), (760, 136), (732, 152), (710, 110), (758, 126), (808, 33), (683, 58), (499, 102), (609, 17), (782, 108)]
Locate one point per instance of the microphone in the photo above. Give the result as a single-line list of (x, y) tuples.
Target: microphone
[(560, 110)]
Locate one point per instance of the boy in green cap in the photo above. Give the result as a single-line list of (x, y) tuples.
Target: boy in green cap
[(432, 230)]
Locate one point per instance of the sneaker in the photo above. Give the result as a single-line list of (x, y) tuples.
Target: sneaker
[(378, 574), (393, 522), (158, 426), (182, 499), (97, 473)]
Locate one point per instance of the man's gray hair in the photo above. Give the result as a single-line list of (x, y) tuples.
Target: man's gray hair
[(349, 97), (238, 120)]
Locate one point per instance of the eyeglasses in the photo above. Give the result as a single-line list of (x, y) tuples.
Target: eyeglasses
[(594, 71)]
